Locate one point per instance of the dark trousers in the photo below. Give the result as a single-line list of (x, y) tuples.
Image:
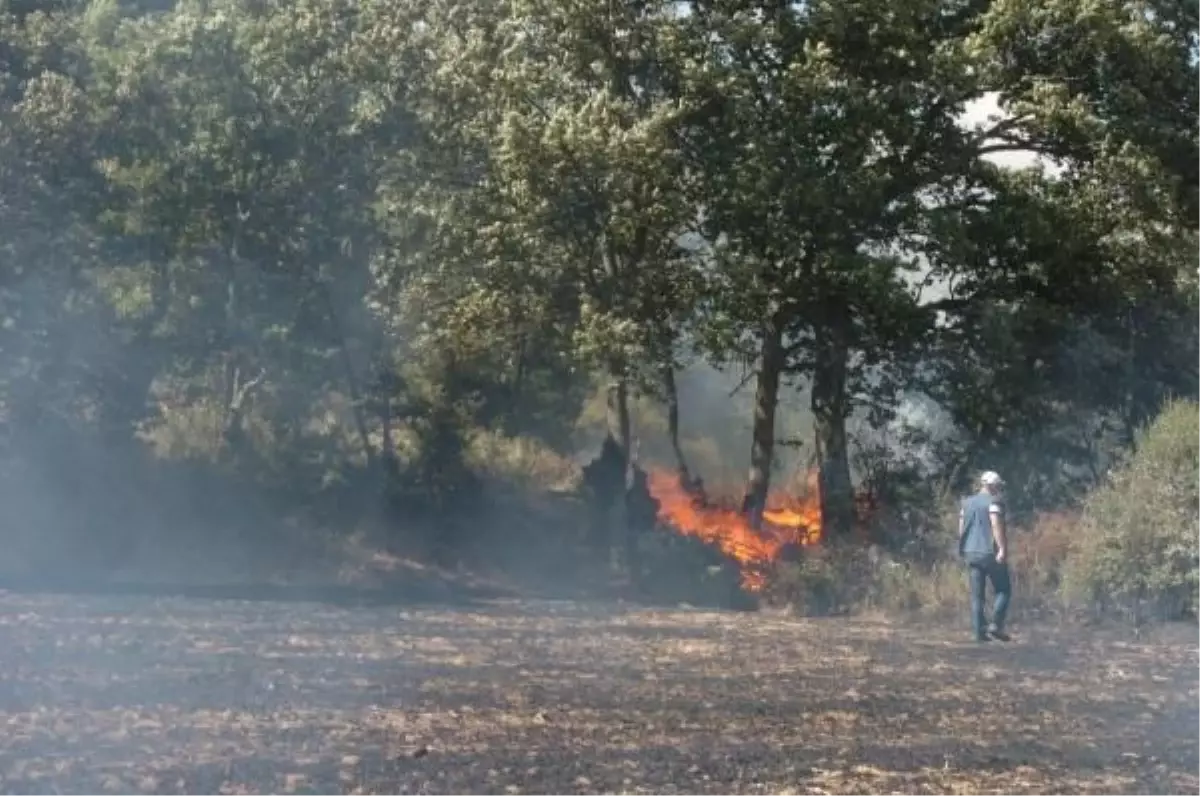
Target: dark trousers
[(982, 569)]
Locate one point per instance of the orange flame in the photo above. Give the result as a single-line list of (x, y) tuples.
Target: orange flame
[(785, 521)]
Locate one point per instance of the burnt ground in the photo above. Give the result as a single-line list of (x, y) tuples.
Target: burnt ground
[(135, 693)]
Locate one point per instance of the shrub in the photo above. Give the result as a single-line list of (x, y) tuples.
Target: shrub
[(1040, 552), (846, 578), (1136, 548), (808, 586), (939, 589), (822, 580)]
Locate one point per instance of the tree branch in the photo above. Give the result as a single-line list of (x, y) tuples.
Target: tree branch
[(1002, 127), (741, 384)]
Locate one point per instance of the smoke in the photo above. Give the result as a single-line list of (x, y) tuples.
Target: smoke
[(118, 349), (716, 411)]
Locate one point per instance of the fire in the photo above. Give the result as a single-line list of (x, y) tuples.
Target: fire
[(786, 521)]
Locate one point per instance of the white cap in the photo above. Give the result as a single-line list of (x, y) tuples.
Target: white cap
[(991, 478)]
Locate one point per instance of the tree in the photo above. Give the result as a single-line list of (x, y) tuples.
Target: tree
[(47, 185), (581, 198), (1088, 308), (1033, 359), (830, 162), (246, 167), (822, 129)]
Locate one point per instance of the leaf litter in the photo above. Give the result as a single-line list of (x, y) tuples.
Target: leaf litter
[(112, 694)]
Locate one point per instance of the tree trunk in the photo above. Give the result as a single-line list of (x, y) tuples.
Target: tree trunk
[(619, 425), (352, 384), (831, 407), (766, 398), (620, 429), (672, 398), (231, 420), (238, 390), (516, 390), (387, 387), (130, 386)]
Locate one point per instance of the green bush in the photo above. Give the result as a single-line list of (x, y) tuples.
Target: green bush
[(1136, 548)]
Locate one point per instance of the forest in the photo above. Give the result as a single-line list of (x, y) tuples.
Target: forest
[(286, 278)]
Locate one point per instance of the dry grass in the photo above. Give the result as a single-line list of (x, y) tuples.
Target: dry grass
[(521, 461), (855, 581), (1036, 560), (136, 694)]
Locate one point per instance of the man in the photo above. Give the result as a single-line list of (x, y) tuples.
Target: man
[(983, 543)]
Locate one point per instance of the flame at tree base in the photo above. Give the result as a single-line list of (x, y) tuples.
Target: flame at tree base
[(786, 521)]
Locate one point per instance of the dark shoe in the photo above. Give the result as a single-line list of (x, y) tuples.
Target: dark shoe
[(998, 633), (982, 639)]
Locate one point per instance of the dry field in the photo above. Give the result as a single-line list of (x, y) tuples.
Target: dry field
[(131, 693)]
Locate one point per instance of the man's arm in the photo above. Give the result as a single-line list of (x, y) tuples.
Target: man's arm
[(996, 514)]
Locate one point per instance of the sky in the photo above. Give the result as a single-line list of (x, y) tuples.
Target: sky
[(986, 110)]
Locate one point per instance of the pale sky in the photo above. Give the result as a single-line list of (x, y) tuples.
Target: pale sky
[(985, 111)]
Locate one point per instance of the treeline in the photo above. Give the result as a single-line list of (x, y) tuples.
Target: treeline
[(300, 241)]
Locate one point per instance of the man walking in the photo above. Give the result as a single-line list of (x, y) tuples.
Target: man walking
[(983, 543)]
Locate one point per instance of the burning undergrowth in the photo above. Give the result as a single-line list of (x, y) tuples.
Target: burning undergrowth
[(789, 522)]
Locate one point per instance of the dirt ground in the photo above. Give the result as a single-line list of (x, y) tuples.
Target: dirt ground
[(139, 693)]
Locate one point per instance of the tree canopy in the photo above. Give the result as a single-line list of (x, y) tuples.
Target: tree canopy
[(327, 242)]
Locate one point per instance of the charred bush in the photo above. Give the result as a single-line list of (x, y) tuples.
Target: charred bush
[(678, 568)]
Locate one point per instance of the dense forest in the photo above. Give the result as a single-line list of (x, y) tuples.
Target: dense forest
[(347, 259)]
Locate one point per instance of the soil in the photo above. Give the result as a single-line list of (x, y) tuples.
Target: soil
[(131, 693)]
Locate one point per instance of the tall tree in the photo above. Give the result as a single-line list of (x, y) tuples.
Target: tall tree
[(246, 160), (831, 142), (824, 128), (1078, 281), (582, 172), (47, 187)]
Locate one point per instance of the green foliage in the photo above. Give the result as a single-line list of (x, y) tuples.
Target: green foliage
[(389, 249), (1136, 548)]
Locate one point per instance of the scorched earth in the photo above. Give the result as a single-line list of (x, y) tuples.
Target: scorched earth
[(129, 694)]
